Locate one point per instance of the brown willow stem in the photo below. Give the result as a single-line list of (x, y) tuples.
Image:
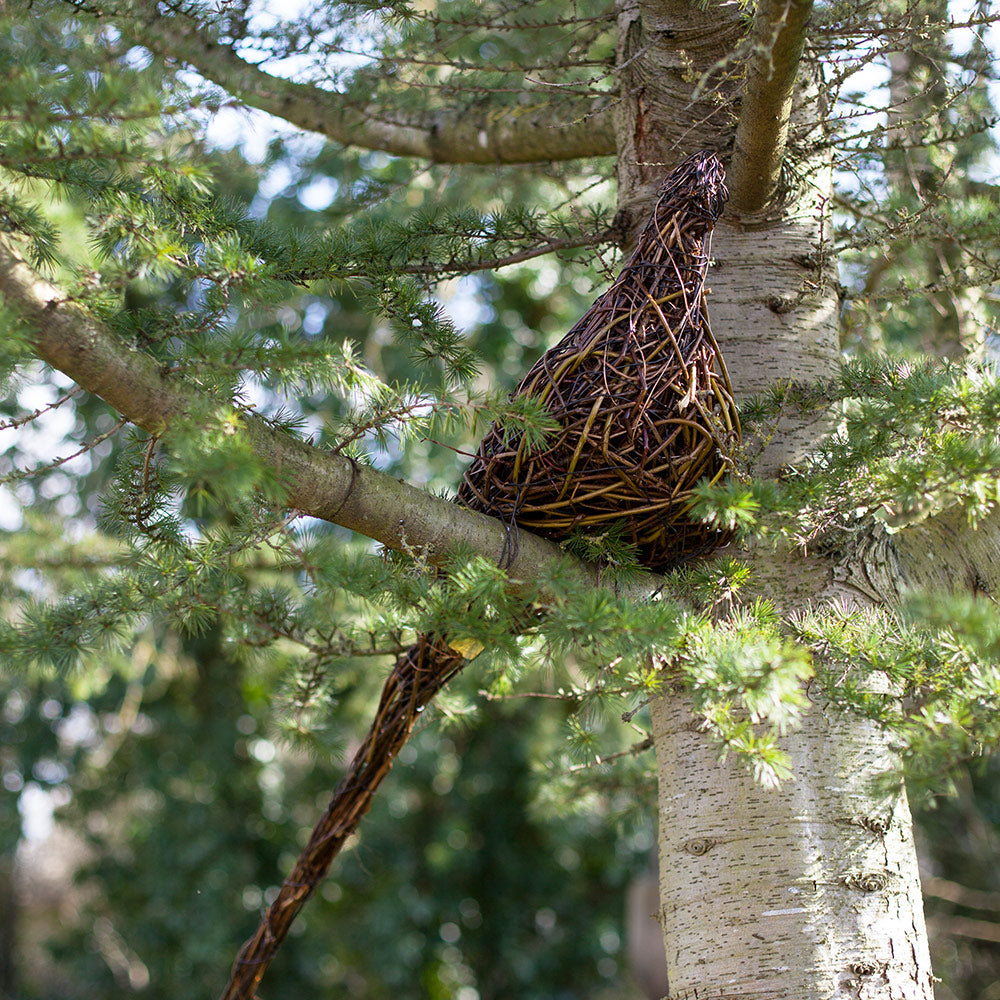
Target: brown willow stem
[(417, 676)]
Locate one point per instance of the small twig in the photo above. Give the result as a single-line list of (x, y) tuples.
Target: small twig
[(8, 425), (632, 751), (545, 695), (452, 268), (49, 466)]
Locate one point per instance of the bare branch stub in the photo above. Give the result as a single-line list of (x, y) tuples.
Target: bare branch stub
[(778, 38)]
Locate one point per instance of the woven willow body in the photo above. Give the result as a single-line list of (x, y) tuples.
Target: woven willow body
[(641, 394)]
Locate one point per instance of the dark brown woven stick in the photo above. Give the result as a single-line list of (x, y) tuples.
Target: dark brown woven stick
[(417, 676), (645, 409)]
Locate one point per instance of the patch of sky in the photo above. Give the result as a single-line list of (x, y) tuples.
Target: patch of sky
[(463, 303)]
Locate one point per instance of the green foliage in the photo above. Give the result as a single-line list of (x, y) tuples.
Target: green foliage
[(617, 557), (222, 652), (743, 674), (911, 440)]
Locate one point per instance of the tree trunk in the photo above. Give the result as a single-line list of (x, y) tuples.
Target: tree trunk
[(810, 890)]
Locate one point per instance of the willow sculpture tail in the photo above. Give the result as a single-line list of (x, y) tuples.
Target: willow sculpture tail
[(645, 410)]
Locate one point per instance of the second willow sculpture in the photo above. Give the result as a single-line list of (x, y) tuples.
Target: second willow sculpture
[(645, 410)]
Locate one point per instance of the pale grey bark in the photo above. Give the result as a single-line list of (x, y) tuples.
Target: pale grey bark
[(942, 554), (810, 890), (537, 132), (774, 301), (807, 891)]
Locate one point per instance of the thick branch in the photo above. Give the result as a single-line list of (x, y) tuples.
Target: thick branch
[(940, 554), (777, 39), (529, 134), (317, 482)]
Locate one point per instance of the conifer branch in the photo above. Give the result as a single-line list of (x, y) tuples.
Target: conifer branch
[(533, 134), (316, 481), (777, 39), (457, 267)]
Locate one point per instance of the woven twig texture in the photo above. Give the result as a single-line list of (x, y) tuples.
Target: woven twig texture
[(640, 392)]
